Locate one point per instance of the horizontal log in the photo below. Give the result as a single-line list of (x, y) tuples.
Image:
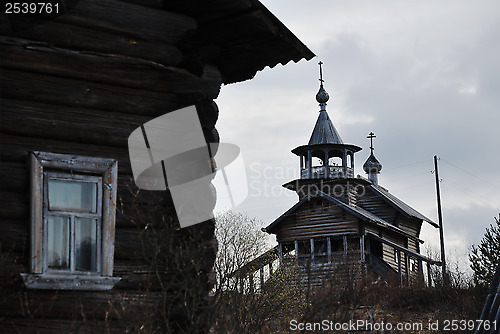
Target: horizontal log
[(14, 236), (316, 234), (14, 176), (28, 86), (16, 149), (14, 263), (79, 125), (80, 38), (127, 244), (110, 69), (148, 3), (318, 227), (284, 238), (119, 17), (71, 305), (14, 205)]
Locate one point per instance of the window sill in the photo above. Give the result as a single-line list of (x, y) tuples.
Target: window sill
[(69, 282)]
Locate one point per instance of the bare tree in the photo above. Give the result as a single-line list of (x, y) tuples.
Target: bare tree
[(240, 240)]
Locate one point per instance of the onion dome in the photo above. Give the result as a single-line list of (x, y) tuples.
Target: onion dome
[(372, 165), (322, 96)]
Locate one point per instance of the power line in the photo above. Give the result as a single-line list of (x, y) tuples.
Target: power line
[(409, 177), (467, 191), (407, 165), (472, 174)]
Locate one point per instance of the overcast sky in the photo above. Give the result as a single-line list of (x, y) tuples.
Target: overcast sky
[(424, 76)]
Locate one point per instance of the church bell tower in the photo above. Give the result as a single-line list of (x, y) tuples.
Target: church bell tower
[(325, 159)]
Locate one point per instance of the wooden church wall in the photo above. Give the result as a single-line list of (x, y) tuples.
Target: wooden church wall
[(413, 245), (389, 253), (411, 226), (315, 221), (377, 206), (80, 84)]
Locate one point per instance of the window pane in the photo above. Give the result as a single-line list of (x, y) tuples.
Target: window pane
[(86, 244), (58, 242), (65, 194)]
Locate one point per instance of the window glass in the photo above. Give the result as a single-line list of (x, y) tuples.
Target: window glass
[(65, 194), (58, 242), (86, 244)]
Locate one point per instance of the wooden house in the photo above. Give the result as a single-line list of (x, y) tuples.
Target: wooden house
[(341, 221), (81, 250)]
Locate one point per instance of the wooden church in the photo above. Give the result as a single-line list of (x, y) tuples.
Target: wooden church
[(342, 219)]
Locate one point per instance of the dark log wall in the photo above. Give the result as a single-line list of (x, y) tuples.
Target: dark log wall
[(316, 219), (80, 84)]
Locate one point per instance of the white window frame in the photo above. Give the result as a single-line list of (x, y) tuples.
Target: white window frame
[(40, 277), (71, 215)]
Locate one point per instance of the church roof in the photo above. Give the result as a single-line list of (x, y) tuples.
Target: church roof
[(324, 132), (399, 204)]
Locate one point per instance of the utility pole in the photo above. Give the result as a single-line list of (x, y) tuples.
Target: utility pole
[(440, 217)]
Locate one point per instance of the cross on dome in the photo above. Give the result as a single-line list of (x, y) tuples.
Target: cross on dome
[(371, 135)]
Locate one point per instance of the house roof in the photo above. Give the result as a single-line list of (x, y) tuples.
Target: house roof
[(324, 132), (354, 210), (399, 204), (248, 35)]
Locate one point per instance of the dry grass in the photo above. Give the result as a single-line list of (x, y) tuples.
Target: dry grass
[(271, 312)]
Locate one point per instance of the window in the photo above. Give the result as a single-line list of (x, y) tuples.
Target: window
[(73, 201), (316, 162), (72, 219)]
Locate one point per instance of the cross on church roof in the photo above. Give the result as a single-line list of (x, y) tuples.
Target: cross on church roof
[(371, 135), (320, 73)]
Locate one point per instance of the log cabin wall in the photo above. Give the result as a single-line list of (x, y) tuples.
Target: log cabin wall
[(410, 225), (79, 83), (390, 254)]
